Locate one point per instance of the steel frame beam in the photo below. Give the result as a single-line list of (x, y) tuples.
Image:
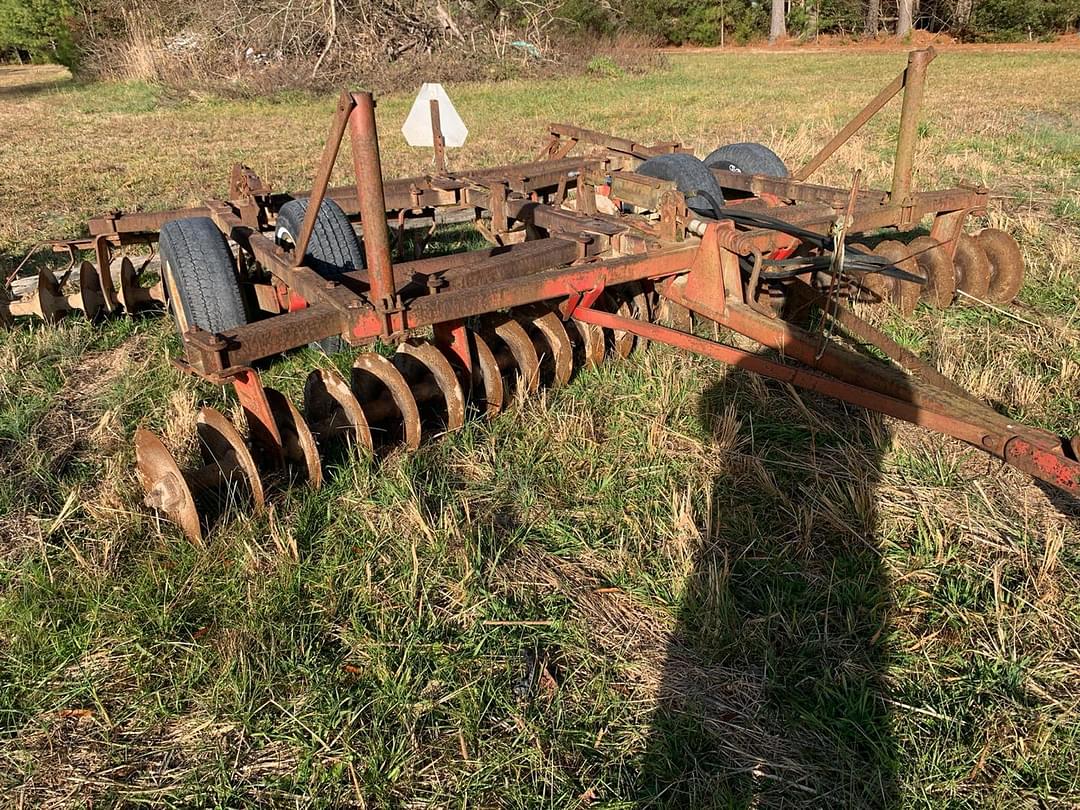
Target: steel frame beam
[(1019, 446)]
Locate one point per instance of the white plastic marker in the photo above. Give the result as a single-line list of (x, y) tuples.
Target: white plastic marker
[(417, 126)]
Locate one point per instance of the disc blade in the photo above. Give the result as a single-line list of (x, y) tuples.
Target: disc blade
[(223, 445), (559, 348), (972, 267), (513, 334), (297, 441), (443, 374), (90, 299), (332, 410), (165, 486), (487, 375), (1006, 264), (589, 339), (373, 373), (904, 295), (937, 266)]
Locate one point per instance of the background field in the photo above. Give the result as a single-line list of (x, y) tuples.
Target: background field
[(712, 591)]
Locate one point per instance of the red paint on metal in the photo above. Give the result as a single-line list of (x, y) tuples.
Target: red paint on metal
[(1051, 467), (289, 300), (262, 426), (1047, 466), (453, 338)]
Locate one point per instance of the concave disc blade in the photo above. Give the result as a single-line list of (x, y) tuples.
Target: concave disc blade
[(165, 486), (223, 445)]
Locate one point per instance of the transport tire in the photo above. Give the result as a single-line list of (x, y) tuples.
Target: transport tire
[(200, 276), (747, 158), (333, 248), (690, 176)]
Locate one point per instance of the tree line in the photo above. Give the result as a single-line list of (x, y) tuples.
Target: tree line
[(717, 22), (60, 30)]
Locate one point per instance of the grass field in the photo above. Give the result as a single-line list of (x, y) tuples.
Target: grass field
[(664, 584)]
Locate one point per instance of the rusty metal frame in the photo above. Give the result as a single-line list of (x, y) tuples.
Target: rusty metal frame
[(570, 255)]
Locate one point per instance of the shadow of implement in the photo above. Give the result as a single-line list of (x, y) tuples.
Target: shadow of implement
[(772, 690)]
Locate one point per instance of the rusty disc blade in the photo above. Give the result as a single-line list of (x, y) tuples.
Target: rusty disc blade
[(332, 410), (903, 295), (934, 262), (49, 302), (639, 307), (1006, 264), (513, 334), (372, 373), (133, 297), (972, 267), (91, 298), (622, 342), (222, 445), (872, 288), (129, 284), (297, 441), (165, 486), (559, 347), (443, 374), (487, 375), (589, 338)]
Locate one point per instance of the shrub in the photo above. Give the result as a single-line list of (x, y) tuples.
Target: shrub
[(604, 66), (1014, 20), (37, 30)]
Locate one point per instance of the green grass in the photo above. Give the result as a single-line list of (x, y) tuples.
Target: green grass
[(664, 584)]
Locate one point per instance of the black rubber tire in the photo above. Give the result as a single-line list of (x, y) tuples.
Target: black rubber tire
[(747, 158), (332, 249), (200, 276), (689, 175)]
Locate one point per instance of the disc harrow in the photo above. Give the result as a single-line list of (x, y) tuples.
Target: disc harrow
[(599, 247), (419, 392), (82, 288), (986, 267)]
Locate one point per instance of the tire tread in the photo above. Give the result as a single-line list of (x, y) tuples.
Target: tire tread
[(750, 157), (333, 247), (204, 270), (689, 174)]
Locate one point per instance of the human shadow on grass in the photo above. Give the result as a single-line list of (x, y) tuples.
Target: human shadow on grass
[(772, 692)]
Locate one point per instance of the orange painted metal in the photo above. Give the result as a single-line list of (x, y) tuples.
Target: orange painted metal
[(262, 426), (995, 435)]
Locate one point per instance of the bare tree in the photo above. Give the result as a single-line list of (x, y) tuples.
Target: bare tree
[(903, 18), (963, 14), (778, 25), (873, 18)]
